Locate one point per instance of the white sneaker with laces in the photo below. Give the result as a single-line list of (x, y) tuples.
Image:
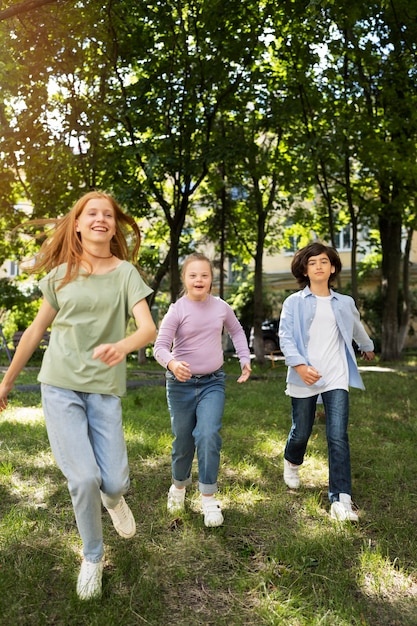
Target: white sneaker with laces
[(176, 499), (212, 511), (122, 518), (90, 580), (342, 510), (291, 475)]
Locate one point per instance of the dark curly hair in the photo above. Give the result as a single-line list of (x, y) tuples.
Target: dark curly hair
[(301, 257)]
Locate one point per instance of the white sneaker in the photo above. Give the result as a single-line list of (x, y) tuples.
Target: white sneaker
[(90, 580), (176, 499), (212, 511), (122, 518), (291, 475), (342, 510)]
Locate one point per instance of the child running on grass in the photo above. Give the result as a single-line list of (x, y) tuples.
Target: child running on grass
[(90, 292), (189, 345), (316, 330)]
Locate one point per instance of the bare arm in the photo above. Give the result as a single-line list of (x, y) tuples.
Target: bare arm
[(113, 353), (28, 343)]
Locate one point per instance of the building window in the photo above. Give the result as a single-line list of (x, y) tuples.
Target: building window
[(343, 238), (294, 241), (13, 269)]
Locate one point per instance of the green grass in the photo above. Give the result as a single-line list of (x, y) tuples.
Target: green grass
[(278, 559)]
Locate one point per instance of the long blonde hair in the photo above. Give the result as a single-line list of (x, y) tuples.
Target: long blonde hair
[(63, 242)]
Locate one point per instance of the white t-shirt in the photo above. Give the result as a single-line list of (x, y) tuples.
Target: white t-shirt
[(326, 353)]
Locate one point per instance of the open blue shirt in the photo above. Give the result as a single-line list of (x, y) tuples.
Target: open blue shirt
[(297, 314)]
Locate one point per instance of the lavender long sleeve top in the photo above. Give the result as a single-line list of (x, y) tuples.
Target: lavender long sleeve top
[(192, 330)]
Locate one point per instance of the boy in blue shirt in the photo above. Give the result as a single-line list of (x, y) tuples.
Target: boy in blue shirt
[(317, 326)]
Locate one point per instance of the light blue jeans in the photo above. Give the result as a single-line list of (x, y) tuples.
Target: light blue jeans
[(196, 408), (86, 437), (336, 407)]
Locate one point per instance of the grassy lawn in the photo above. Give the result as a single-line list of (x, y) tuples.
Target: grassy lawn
[(278, 558)]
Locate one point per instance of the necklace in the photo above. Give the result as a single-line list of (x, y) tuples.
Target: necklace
[(96, 256)]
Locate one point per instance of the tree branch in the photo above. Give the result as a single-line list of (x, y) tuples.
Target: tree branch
[(23, 7)]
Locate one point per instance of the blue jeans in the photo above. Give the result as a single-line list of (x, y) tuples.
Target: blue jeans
[(196, 408), (336, 407), (86, 437)]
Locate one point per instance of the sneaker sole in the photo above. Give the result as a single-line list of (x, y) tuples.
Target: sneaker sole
[(292, 485)]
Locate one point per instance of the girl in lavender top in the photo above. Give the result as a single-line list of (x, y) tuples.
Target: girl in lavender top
[(189, 346)]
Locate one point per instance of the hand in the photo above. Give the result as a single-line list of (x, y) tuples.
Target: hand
[(246, 372), (180, 369), (3, 398), (308, 374), (368, 356), (109, 353)]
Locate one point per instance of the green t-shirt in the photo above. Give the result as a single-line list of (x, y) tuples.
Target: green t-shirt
[(91, 310)]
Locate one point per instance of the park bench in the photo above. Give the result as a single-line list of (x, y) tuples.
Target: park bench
[(42, 345)]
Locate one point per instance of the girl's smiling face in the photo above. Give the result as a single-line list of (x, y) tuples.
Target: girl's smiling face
[(96, 222), (197, 280)]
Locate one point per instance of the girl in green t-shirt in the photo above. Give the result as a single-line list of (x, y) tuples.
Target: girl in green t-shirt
[(90, 291)]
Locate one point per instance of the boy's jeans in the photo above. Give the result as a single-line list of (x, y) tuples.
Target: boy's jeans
[(196, 408), (336, 407), (87, 441)]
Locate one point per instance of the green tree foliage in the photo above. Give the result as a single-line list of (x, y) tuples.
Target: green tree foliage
[(247, 107), (358, 107), (18, 307)]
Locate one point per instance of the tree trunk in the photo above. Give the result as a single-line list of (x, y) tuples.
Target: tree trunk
[(142, 356), (390, 231), (258, 302), (406, 306), (223, 212)]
